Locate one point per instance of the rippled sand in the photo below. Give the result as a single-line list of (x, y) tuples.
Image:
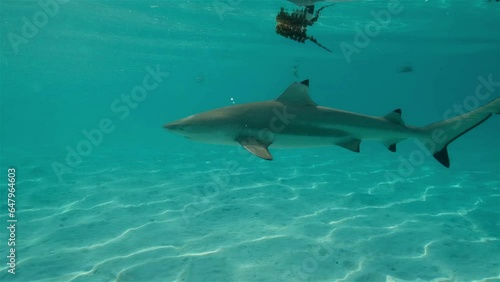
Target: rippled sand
[(310, 215)]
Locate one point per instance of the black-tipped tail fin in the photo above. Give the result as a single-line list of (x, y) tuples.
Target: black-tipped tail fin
[(439, 135), (442, 157)]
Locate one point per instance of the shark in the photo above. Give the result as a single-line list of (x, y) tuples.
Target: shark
[(294, 120)]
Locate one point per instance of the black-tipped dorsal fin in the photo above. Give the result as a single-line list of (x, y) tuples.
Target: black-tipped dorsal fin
[(297, 93), (395, 117)]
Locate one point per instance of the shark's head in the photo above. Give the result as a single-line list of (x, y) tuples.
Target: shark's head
[(205, 127), (236, 122), (188, 127)]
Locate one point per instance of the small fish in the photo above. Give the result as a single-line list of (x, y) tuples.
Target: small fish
[(403, 69)]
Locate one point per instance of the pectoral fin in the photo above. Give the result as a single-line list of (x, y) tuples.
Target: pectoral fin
[(255, 147)]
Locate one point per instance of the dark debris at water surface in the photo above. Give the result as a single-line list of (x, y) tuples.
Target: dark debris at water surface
[(294, 25)]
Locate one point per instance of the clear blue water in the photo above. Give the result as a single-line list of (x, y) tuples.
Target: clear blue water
[(146, 205)]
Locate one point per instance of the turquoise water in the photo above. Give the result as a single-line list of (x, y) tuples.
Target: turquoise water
[(142, 204)]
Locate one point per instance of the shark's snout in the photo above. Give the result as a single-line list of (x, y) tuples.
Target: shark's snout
[(172, 126), (178, 127)]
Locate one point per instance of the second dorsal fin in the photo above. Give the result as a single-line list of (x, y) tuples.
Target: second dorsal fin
[(395, 117)]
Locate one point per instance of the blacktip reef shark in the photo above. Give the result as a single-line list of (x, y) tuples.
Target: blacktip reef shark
[(294, 120)]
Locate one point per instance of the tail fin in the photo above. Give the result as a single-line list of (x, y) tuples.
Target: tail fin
[(442, 133)]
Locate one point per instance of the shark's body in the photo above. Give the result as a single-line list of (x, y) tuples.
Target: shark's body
[(293, 120)]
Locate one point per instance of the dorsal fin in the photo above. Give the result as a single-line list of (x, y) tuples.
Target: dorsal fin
[(395, 117), (297, 93)]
